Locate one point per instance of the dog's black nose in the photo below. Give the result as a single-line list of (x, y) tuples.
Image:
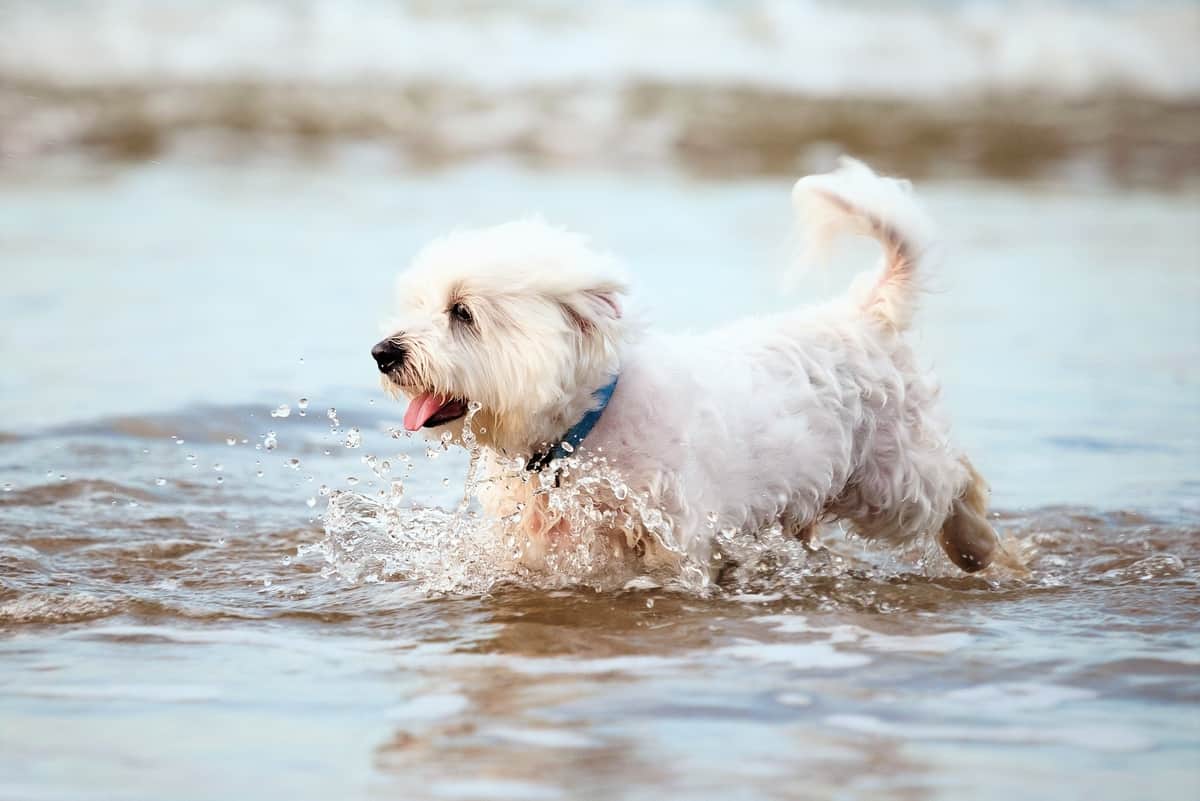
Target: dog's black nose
[(388, 354)]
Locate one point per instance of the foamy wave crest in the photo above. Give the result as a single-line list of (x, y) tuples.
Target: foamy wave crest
[(764, 87), (814, 48)]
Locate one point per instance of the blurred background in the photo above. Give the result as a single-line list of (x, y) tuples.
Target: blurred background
[(1068, 88), (1085, 89), (203, 207)]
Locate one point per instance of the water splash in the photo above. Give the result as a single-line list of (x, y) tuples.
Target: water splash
[(589, 529), (465, 551)]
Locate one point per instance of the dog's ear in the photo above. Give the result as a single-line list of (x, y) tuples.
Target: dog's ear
[(594, 309)]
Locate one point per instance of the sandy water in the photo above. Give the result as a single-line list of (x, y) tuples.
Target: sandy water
[(174, 624)]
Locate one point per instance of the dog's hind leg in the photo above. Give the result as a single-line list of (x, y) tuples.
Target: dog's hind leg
[(966, 536)]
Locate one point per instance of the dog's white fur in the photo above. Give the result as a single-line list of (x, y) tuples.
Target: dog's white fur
[(796, 418)]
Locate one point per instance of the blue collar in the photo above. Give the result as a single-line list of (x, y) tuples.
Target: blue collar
[(576, 433)]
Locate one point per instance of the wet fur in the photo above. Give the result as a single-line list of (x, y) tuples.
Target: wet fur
[(800, 418)]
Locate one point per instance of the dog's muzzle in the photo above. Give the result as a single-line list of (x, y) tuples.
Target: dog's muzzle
[(389, 355)]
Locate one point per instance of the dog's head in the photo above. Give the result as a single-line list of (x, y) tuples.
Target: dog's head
[(523, 319)]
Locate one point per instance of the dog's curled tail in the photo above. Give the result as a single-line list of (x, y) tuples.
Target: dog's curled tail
[(854, 199)]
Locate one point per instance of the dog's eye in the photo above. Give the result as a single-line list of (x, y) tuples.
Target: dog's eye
[(460, 312)]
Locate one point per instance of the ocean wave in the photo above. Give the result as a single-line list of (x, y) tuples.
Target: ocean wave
[(830, 49), (768, 87), (55, 608), (718, 133)]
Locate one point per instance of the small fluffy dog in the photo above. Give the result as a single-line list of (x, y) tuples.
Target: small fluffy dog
[(796, 419)]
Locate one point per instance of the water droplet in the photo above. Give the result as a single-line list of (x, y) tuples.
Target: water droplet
[(446, 437), (162, 482), (712, 520), (62, 476), (259, 473), (331, 413), (267, 581), (231, 441), (351, 480), (652, 518), (282, 410), (191, 457), (445, 482), (323, 490), (218, 467), (285, 560), (293, 463), (474, 406), (566, 446), (8, 487), (311, 502), (353, 438), (649, 603), (49, 474), (220, 479), (302, 403), (430, 453), (133, 503), (178, 442), (270, 442)]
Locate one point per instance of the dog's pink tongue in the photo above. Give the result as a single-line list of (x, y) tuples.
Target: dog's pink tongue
[(420, 409)]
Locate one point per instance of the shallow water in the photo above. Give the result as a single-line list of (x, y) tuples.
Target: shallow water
[(174, 624)]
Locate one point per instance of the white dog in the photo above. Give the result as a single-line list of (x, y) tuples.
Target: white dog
[(794, 419)]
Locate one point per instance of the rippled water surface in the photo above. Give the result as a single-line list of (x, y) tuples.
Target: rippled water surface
[(198, 598)]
